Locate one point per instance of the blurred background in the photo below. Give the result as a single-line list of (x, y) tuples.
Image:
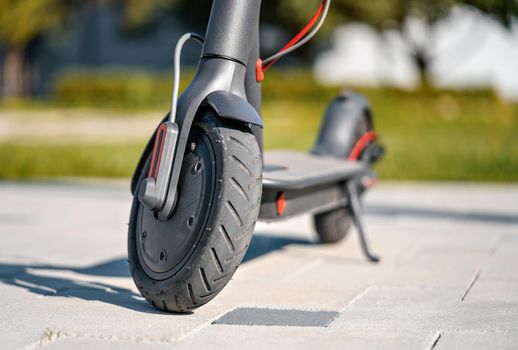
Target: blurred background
[(84, 83)]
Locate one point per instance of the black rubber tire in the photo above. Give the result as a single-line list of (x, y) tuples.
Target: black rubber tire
[(226, 235), (332, 226)]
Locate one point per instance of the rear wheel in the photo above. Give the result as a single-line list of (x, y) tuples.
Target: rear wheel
[(184, 262), (332, 226)]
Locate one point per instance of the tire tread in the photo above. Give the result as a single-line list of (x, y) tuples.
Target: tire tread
[(233, 214)]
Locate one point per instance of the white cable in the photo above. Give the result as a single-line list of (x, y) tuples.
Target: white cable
[(176, 73), (304, 40)]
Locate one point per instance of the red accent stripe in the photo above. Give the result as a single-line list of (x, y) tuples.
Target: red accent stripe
[(300, 34), (360, 145), (372, 182), (280, 203), (159, 146)]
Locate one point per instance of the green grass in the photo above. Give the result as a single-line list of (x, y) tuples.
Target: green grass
[(428, 135), (438, 137), (28, 161)]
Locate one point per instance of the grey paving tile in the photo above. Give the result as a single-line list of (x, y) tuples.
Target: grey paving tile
[(77, 225), (36, 280), (250, 316), (283, 280), (478, 340), (431, 245), (489, 289), (426, 309), (502, 265), (297, 338), (91, 341), (102, 314), (10, 295), (342, 275), (305, 290)]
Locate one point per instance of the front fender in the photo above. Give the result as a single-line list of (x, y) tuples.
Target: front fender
[(228, 105), (225, 104)]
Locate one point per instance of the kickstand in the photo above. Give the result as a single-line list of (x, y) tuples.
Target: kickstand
[(356, 211)]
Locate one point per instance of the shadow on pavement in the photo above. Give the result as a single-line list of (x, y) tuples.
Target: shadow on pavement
[(35, 277), (263, 244), (442, 214)]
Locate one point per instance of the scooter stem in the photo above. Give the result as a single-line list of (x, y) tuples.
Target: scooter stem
[(231, 29), (231, 37)]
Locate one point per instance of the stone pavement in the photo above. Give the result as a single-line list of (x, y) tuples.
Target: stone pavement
[(448, 276)]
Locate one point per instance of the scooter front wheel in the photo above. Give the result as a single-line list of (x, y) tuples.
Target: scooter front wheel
[(184, 262)]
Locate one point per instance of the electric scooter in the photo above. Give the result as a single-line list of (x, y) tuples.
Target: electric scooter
[(204, 180)]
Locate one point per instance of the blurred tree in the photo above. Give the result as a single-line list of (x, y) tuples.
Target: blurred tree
[(393, 14), (380, 14), (502, 10), (22, 22), (140, 13)]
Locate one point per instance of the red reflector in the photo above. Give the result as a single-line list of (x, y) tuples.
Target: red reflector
[(369, 182), (157, 150), (280, 203), (259, 73)]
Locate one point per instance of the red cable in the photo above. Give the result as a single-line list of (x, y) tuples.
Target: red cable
[(300, 34), (360, 145)]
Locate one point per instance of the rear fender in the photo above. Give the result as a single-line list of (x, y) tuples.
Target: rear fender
[(342, 125)]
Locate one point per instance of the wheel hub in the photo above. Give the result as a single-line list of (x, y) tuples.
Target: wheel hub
[(164, 246)]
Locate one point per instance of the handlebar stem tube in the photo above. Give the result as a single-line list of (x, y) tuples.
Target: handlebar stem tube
[(232, 28), (233, 34), (230, 42)]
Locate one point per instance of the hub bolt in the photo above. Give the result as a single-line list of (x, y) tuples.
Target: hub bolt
[(163, 256)]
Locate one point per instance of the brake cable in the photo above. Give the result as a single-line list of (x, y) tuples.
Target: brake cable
[(297, 41), (176, 70)]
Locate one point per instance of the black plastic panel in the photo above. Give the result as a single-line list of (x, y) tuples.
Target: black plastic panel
[(308, 183)]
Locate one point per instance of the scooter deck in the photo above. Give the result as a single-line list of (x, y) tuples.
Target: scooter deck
[(295, 170), (297, 182)]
